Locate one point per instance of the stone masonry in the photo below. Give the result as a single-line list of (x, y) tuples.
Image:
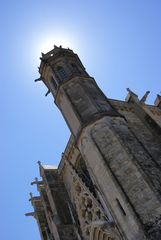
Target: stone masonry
[(108, 183)]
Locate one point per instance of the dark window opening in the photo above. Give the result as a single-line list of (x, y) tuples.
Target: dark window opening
[(53, 82), (62, 72), (84, 174), (121, 208)]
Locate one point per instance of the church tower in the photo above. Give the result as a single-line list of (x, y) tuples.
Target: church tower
[(110, 171)]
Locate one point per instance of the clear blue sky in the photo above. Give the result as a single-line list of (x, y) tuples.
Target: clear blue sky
[(118, 41)]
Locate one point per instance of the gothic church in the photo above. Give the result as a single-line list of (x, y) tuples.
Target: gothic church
[(108, 183)]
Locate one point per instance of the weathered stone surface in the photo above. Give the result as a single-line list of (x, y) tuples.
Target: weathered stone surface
[(108, 183)]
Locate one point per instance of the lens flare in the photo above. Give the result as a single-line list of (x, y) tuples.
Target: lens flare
[(48, 43)]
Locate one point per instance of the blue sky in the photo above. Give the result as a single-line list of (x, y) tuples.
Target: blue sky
[(119, 43)]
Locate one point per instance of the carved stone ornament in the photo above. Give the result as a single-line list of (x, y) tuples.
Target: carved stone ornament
[(103, 231), (90, 211)]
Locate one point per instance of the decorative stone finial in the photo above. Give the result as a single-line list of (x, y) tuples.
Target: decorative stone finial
[(131, 96), (39, 163), (158, 101), (143, 99), (128, 89)]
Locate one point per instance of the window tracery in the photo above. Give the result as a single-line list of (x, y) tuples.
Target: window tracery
[(90, 211), (62, 73)]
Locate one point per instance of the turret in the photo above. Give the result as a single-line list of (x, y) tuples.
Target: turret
[(76, 93)]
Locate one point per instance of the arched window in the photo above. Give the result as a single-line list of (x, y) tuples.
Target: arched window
[(62, 72)]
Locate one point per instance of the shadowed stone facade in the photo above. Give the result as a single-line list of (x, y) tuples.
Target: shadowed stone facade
[(108, 183)]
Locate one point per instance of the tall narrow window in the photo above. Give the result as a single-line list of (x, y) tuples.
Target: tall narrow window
[(121, 208), (53, 83), (62, 72), (83, 173)]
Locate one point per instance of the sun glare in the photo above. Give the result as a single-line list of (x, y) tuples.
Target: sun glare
[(47, 44)]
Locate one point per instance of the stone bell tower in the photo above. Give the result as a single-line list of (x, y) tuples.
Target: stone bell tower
[(119, 144), (76, 93)]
